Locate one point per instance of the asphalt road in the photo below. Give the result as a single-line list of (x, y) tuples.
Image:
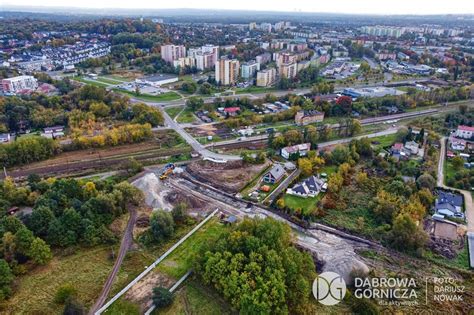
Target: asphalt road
[(198, 147), (467, 194)]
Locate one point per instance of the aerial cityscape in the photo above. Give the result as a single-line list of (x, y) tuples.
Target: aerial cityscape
[(229, 158)]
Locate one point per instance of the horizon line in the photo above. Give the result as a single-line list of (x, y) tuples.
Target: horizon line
[(12, 7)]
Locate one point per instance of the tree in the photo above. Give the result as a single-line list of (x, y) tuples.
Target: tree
[(162, 297), (426, 181), (340, 155), (6, 278), (457, 162), (179, 212), (133, 166), (258, 270), (65, 292), (161, 225), (406, 235), (280, 203), (194, 103), (305, 166), (345, 103), (40, 252), (385, 206), (364, 67)]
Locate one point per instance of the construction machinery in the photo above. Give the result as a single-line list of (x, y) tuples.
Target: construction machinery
[(168, 170)]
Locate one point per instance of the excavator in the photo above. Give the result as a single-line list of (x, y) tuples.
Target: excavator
[(167, 171)]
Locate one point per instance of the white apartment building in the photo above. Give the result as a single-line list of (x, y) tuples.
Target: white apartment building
[(266, 77), (248, 69), (16, 84), (170, 53)]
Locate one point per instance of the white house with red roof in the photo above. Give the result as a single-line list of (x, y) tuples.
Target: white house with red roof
[(465, 132)]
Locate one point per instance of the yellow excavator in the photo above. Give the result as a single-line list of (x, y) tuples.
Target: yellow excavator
[(168, 170), (166, 173)]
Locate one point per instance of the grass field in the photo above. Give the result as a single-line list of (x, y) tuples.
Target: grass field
[(384, 141), (186, 116), (193, 298), (119, 78), (181, 260), (91, 82), (86, 269), (173, 111), (168, 96), (307, 205), (109, 81), (255, 89)]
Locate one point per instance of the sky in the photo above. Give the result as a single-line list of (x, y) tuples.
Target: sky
[(326, 6)]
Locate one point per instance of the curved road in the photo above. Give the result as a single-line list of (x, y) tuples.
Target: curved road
[(196, 145), (127, 240)]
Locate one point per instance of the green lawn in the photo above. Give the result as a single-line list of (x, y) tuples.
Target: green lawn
[(255, 89), (173, 111), (307, 205), (186, 116), (91, 82), (449, 171), (118, 78), (385, 141), (109, 81), (168, 96), (181, 260)]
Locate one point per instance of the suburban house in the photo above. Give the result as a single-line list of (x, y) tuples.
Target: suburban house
[(310, 187), (275, 174), (405, 151), (465, 132), (301, 149), (305, 117), (412, 146), (232, 111), (53, 132), (457, 144), (449, 204)]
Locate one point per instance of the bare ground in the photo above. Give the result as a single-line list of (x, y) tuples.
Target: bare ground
[(230, 177)]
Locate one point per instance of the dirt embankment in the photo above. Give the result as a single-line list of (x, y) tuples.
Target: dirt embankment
[(231, 177)]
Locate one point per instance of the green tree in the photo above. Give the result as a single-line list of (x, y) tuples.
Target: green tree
[(40, 252), (162, 297), (161, 225), (179, 212), (6, 279), (406, 235), (457, 162)]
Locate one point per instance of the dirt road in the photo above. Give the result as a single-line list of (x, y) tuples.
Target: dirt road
[(127, 240), (467, 194)]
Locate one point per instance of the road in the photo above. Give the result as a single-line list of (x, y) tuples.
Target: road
[(467, 194), (198, 147), (388, 131), (127, 240)]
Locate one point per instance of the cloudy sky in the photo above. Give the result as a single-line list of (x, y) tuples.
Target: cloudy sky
[(333, 6)]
